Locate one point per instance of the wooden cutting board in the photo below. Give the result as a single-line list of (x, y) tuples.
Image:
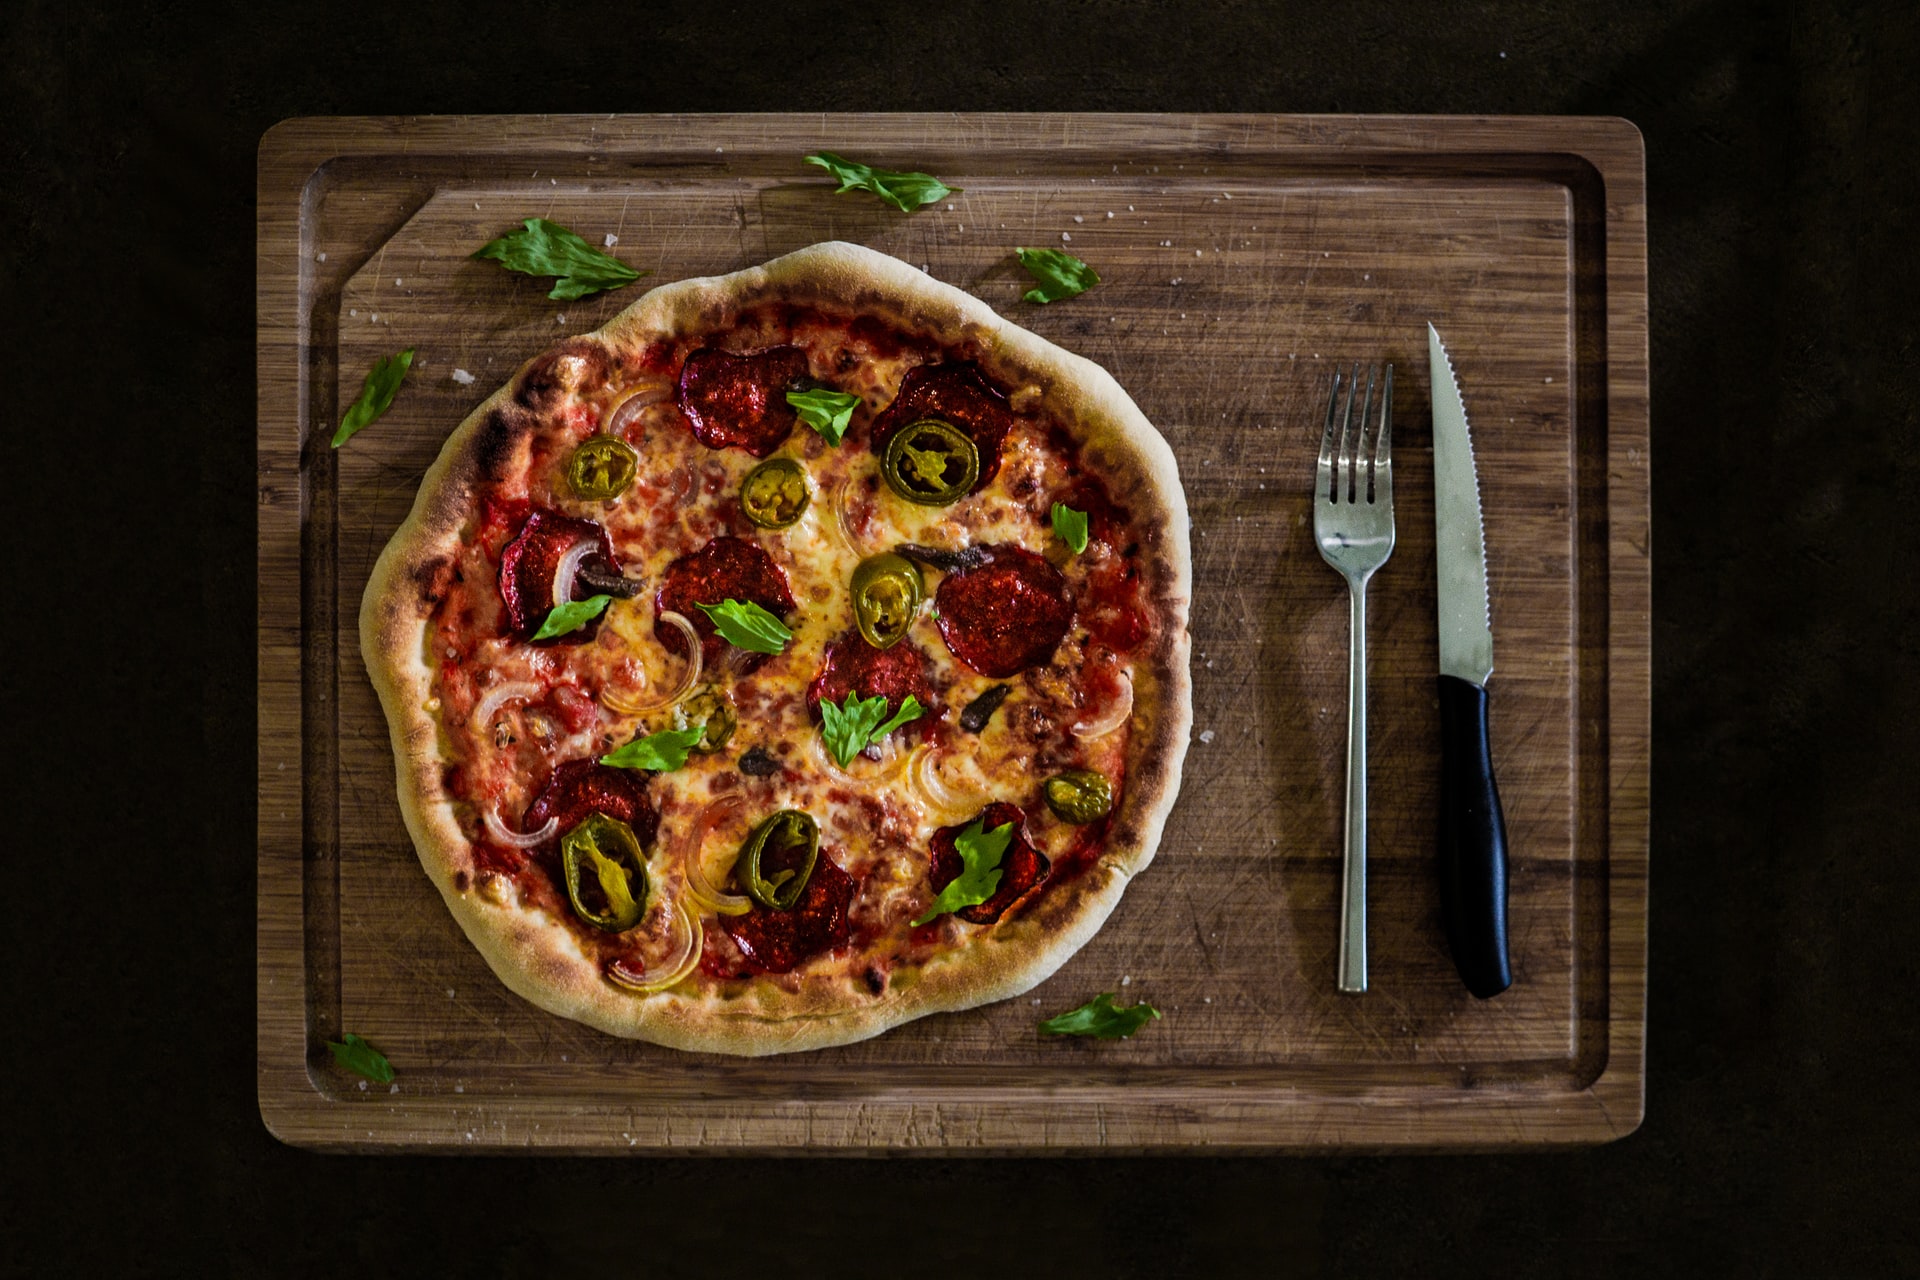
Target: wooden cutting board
[(1242, 258)]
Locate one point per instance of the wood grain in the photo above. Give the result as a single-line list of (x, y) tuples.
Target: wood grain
[(1241, 258)]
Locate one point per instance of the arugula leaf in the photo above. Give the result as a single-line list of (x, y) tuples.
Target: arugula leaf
[(376, 394), (358, 1056), (571, 616), (828, 412), (980, 854), (904, 191), (662, 752), (746, 624), (849, 728), (1099, 1019), (1061, 275), (549, 249), (1071, 525)]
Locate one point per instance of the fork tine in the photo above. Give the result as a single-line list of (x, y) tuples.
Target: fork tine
[(1362, 465), (1383, 447), (1343, 485), (1324, 476)]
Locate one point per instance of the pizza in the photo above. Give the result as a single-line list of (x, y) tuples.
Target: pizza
[(801, 653)]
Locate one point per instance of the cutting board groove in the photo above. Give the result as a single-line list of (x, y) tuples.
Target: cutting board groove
[(1244, 257)]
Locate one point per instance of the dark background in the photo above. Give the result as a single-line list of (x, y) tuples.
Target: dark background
[(1781, 161)]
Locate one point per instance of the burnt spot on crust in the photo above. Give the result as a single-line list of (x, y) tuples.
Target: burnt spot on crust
[(493, 445), (876, 979), (433, 578), (577, 362), (460, 881)]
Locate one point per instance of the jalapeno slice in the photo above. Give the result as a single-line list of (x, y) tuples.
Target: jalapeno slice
[(777, 859), (606, 849), (707, 706), (775, 493), (602, 468), (1078, 796), (931, 462), (886, 592)]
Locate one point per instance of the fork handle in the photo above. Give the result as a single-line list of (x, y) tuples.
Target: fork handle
[(1473, 842), (1352, 976)]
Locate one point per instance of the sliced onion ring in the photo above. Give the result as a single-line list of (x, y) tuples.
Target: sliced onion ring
[(892, 760), (842, 521), (688, 678), (498, 833), (668, 972), (1114, 716), (925, 780), (643, 396), (499, 696), (700, 885), (570, 568)]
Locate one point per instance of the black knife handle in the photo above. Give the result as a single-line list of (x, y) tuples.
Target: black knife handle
[(1473, 842)]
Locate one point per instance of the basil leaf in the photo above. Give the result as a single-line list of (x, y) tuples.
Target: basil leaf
[(746, 624), (848, 729), (571, 616), (358, 1056), (1071, 525), (980, 854), (376, 394), (1061, 275), (549, 249), (910, 710), (1099, 1019), (661, 752), (828, 412), (904, 191)]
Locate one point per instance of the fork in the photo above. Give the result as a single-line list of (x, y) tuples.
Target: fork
[(1353, 523)]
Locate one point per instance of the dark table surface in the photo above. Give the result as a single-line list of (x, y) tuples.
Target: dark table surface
[(1781, 161)]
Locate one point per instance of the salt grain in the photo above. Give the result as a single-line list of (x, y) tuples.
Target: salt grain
[(1206, 736), (1078, 218), (1126, 980), (611, 240), (1066, 237), (322, 255), (465, 379)]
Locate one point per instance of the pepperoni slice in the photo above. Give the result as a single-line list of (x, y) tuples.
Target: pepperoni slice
[(725, 569), (1007, 615), (581, 788), (954, 393), (740, 401), (529, 562), (852, 666), (1022, 867), (777, 941)]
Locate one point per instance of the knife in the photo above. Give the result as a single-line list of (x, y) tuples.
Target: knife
[(1473, 832)]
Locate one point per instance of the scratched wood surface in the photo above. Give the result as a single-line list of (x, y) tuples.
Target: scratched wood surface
[(1241, 259)]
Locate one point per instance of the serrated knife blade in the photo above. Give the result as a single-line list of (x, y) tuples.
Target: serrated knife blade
[(1466, 627), (1473, 835)]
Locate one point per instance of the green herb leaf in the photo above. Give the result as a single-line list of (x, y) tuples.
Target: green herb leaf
[(746, 624), (1071, 525), (571, 616), (980, 854), (1060, 275), (904, 191), (1100, 1019), (662, 752), (376, 394), (549, 249), (828, 412), (850, 728), (358, 1056)]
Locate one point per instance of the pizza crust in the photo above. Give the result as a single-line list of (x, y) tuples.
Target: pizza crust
[(538, 957)]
